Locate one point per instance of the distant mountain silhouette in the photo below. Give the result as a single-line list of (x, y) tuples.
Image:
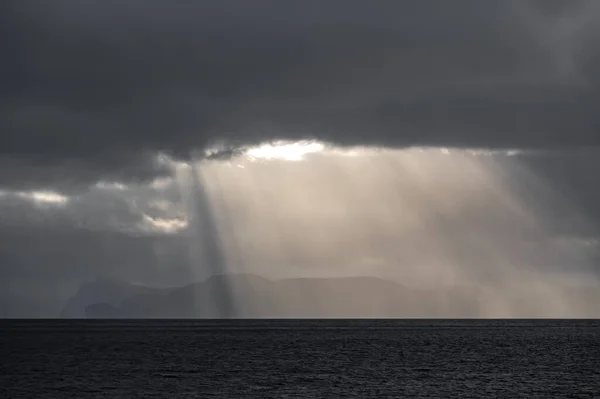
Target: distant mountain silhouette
[(107, 291), (249, 296)]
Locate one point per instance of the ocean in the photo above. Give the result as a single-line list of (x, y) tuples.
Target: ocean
[(299, 358)]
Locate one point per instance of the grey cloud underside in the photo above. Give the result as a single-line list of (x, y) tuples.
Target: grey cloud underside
[(92, 87)]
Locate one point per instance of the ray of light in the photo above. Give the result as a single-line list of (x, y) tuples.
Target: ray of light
[(428, 218), (204, 243)]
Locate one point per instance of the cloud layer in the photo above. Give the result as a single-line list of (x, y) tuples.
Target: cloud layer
[(92, 88)]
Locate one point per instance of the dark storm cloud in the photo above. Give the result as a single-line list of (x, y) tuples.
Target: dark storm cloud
[(90, 88)]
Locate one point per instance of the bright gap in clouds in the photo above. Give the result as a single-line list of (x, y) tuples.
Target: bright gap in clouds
[(287, 151), (300, 150)]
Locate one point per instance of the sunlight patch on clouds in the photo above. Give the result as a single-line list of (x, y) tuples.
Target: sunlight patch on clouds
[(288, 151), (161, 183), (299, 150), (163, 225), (44, 198), (282, 150)]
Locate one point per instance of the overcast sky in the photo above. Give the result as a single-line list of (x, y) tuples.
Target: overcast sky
[(99, 98)]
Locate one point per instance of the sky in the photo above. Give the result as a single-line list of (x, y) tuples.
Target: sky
[(457, 108)]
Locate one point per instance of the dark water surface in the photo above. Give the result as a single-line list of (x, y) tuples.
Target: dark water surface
[(300, 358)]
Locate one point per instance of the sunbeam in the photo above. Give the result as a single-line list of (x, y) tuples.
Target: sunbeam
[(205, 248), (467, 230)]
